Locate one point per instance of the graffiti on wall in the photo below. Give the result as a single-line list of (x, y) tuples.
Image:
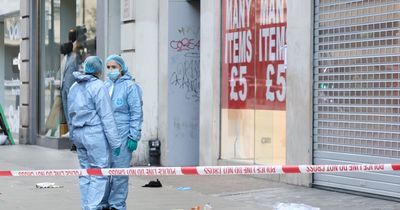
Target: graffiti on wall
[(185, 44), (187, 77), (185, 74)]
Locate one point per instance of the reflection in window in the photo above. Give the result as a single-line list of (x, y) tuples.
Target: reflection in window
[(53, 26), (9, 67), (49, 66)]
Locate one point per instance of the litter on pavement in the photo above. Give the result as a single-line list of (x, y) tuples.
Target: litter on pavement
[(293, 206), (184, 188), (196, 208), (153, 184), (48, 185), (208, 207)]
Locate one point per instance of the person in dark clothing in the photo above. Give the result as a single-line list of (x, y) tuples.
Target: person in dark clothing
[(70, 65)]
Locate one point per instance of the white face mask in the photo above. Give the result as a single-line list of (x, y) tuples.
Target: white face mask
[(113, 74)]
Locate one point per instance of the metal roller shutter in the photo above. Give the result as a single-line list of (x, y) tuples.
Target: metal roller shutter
[(356, 91)]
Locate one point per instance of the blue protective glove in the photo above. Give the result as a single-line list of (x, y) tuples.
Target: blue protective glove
[(132, 145), (116, 151)]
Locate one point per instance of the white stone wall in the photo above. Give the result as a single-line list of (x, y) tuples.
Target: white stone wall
[(210, 69), (163, 78), (139, 48), (25, 75), (299, 88)]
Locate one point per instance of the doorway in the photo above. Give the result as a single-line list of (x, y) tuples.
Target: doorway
[(184, 82)]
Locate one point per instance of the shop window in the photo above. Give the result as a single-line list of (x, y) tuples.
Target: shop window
[(253, 92), (10, 69), (67, 35)]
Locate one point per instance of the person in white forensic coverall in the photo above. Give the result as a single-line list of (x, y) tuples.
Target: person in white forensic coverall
[(127, 103), (92, 129)]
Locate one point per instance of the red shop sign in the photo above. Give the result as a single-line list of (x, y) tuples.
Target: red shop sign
[(254, 54)]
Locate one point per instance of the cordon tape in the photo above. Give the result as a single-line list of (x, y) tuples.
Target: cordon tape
[(207, 170)]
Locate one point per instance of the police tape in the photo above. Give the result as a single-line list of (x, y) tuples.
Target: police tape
[(207, 170)]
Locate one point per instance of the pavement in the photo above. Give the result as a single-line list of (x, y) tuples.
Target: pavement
[(177, 193)]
